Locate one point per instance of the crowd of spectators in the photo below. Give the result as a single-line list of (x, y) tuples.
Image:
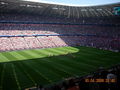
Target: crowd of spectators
[(93, 34), (20, 43), (102, 37), (13, 29), (47, 19)]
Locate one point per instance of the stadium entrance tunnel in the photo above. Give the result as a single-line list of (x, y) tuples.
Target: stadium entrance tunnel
[(53, 65)]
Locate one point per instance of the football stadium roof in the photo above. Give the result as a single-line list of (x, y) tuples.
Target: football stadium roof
[(77, 2), (58, 10)]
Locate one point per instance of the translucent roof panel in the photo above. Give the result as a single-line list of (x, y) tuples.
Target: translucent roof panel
[(77, 2)]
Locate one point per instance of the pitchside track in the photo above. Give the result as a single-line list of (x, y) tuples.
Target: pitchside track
[(26, 68)]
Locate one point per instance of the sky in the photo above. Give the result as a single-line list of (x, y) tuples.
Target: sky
[(77, 2)]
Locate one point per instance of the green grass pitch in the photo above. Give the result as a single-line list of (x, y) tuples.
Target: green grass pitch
[(26, 68)]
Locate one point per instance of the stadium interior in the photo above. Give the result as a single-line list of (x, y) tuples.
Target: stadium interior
[(58, 47)]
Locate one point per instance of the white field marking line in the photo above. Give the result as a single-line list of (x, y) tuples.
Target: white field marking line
[(61, 66), (29, 76), (18, 84), (2, 77), (59, 69), (41, 74), (75, 63), (54, 73)]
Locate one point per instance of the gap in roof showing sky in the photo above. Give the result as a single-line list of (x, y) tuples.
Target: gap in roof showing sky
[(77, 2)]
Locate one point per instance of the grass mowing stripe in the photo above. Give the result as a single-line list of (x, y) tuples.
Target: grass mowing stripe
[(89, 61), (3, 58), (48, 53), (48, 74), (103, 62), (9, 56), (49, 69), (90, 52), (58, 50), (18, 56), (61, 67), (42, 78), (71, 49), (25, 55), (45, 53), (95, 59), (96, 50), (17, 82), (25, 72), (78, 61), (90, 57), (56, 53), (9, 82), (77, 68), (53, 67), (61, 52), (24, 80), (68, 50), (34, 55), (41, 53), (2, 70), (64, 67), (100, 55), (30, 55), (69, 58)]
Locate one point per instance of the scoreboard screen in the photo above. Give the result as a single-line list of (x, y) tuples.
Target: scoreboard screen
[(116, 10)]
